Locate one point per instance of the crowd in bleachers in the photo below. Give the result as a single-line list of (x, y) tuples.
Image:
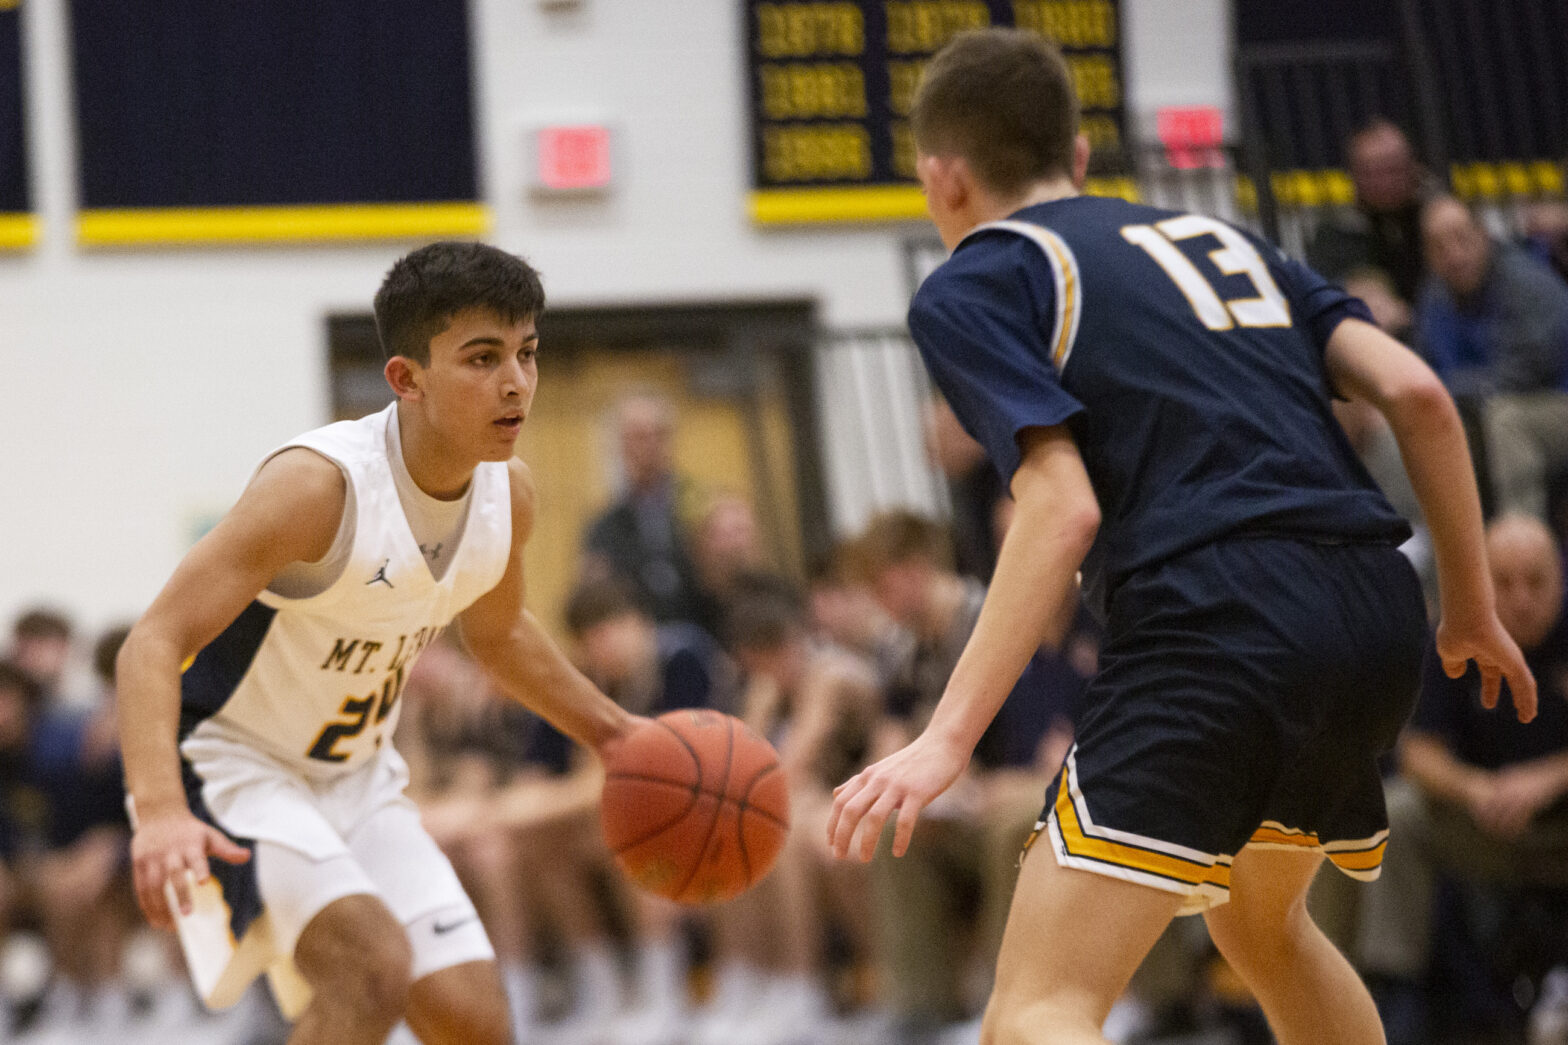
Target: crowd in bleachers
[(1464, 938)]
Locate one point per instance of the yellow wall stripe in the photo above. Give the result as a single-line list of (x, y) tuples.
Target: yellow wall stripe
[(1292, 188), (868, 203), (280, 224), (876, 202), (18, 231)]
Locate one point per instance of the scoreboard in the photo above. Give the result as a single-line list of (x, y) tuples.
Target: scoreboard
[(18, 227), (832, 83), (266, 120)]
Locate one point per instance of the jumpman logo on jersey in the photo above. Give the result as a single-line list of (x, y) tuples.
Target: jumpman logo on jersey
[(381, 575)]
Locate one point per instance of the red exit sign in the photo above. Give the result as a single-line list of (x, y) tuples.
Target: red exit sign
[(573, 158), (1191, 134)]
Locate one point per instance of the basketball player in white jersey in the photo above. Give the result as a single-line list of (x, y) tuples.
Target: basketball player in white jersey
[(260, 690)]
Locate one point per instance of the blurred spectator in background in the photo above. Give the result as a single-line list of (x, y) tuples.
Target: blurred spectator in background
[(1494, 325), (843, 612), (1391, 313), (955, 882), (972, 486), (1483, 798), (20, 698), (1382, 230), (79, 876), (1546, 234), (726, 544), (27, 965), (818, 705), (41, 646), (643, 538), (650, 668)]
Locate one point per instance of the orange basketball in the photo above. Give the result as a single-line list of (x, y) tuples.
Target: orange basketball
[(695, 806)]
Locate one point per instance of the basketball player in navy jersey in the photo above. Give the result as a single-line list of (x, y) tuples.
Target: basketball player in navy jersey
[(1154, 388), (295, 621)]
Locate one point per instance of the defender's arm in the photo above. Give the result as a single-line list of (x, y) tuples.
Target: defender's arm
[(1365, 363), (1028, 605)]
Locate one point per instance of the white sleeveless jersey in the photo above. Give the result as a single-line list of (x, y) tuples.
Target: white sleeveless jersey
[(314, 682)]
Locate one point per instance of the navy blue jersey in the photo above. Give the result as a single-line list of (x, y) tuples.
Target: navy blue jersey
[(1186, 358)]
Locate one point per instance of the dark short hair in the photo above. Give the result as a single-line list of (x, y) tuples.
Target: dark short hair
[(106, 651), (424, 290), (595, 601), (14, 680), (763, 611), (1003, 99), (897, 536), (42, 623)]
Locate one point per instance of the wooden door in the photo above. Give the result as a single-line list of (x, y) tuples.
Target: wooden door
[(730, 436)]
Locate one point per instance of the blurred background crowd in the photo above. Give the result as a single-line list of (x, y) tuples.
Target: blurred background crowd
[(676, 603), (681, 592)]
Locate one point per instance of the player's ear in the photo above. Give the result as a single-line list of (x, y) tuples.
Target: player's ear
[(405, 376), (951, 181), (1080, 160)]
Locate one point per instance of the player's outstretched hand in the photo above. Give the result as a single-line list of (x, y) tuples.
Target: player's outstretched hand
[(905, 782), (173, 847), (1496, 654)]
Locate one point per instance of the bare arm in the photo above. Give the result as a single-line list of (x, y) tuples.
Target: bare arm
[(1367, 364), (1027, 606), (1429, 764), (289, 512), (1033, 587), (1503, 802), (522, 659)]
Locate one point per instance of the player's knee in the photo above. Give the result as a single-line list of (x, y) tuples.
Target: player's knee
[(379, 979), (481, 1024), (1256, 939), (1014, 1020), (461, 1006)]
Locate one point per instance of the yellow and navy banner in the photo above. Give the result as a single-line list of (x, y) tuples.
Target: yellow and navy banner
[(274, 120), (832, 81), (18, 227)]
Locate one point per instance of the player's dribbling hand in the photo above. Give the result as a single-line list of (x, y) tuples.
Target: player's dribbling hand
[(630, 724), (906, 782), (1497, 656), (173, 847)]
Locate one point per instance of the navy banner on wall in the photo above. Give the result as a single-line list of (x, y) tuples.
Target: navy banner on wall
[(18, 228), (274, 119), (831, 85)]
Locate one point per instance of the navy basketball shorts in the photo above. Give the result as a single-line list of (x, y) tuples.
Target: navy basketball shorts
[(1246, 691)]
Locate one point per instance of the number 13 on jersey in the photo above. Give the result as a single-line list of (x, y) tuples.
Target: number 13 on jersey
[(1236, 257)]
